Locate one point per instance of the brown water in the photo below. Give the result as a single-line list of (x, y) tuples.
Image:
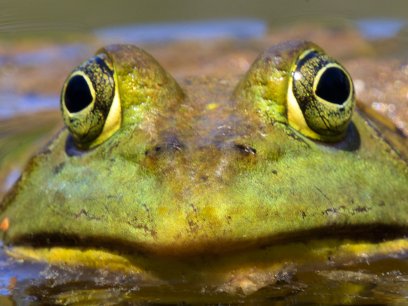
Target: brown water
[(40, 42)]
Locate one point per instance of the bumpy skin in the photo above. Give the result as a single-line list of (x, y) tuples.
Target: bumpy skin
[(207, 169)]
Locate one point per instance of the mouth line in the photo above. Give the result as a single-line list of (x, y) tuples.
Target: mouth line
[(371, 233)]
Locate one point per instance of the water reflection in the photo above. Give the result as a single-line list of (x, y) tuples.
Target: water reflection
[(380, 283)]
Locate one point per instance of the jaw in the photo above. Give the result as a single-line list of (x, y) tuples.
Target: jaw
[(238, 272)]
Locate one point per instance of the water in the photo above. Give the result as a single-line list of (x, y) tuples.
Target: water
[(382, 283), (41, 42)]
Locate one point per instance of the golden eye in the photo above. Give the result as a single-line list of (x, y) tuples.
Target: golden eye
[(90, 102), (320, 96)]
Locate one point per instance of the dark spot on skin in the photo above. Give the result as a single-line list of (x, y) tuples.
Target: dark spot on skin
[(292, 134), (112, 146), (193, 226), (147, 227), (170, 144), (57, 169), (135, 224), (157, 149), (303, 214), (360, 209), (229, 219), (330, 211), (381, 204), (274, 172), (245, 149), (194, 208), (204, 178), (400, 132), (84, 213), (330, 258)]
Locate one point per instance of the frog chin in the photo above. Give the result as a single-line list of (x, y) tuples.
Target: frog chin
[(245, 271)]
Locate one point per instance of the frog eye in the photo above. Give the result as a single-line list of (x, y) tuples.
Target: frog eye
[(90, 102), (320, 96)]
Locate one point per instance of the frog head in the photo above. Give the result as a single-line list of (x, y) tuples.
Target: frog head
[(153, 171)]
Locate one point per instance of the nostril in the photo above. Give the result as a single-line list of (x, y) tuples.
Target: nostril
[(170, 143), (173, 143), (245, 149)]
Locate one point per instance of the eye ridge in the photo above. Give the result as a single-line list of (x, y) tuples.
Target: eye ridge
[(102, 91), (288, 75), (307, 57), (101, 63), (307, 68)]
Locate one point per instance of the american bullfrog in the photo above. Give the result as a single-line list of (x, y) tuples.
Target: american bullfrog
[(214, 181)]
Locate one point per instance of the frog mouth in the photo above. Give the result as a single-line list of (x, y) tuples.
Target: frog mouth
[(246, 270), (373, 234)]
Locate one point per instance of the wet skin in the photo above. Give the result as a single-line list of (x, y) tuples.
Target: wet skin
[(210, 178)]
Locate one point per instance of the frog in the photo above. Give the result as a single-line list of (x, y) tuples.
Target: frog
[(223, 183)]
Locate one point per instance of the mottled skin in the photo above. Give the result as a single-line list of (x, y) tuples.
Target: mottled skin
[(209, 169)]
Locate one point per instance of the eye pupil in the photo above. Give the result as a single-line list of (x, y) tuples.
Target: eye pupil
[(77, 94), (333, 86)]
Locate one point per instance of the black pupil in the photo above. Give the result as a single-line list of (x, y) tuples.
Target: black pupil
[(77, 94), (334, 86)]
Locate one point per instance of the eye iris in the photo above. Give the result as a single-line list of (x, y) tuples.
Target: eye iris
[(77, 94), (333, 86)]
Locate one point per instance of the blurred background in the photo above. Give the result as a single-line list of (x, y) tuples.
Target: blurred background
[(48, 17)]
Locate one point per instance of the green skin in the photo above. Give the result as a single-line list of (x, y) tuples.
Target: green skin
[(208, 169)]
